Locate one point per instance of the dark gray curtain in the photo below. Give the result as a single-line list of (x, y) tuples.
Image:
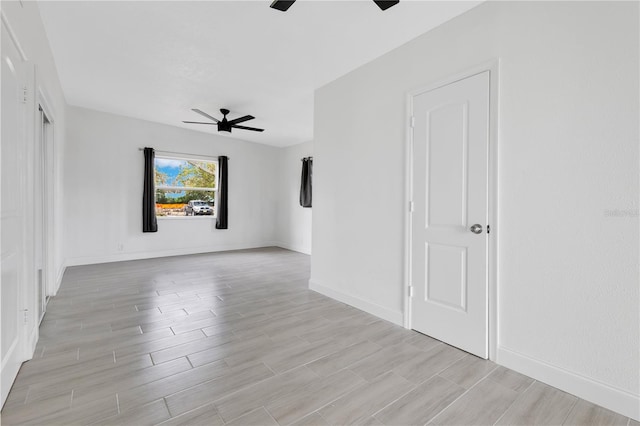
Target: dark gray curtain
[(305, 182), (149, 222), (222, 193)]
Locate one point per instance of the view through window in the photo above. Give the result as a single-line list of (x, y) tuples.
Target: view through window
[(185, 187)]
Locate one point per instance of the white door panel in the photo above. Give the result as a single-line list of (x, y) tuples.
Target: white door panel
[(449, 262), (446, 177)]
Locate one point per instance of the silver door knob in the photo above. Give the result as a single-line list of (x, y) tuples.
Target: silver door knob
[(476, 229)]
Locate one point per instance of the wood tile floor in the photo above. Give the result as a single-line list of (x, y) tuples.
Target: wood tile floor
[(235, 338)]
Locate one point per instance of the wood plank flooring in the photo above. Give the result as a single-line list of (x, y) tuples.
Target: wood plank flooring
[(236, 338)]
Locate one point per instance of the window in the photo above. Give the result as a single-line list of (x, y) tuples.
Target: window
[(185, 186)]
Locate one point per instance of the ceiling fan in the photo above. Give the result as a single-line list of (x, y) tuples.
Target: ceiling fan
[(283, 5), (225, 125)]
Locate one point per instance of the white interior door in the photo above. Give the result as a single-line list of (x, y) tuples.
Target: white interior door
[(12, 225), (449, 222)]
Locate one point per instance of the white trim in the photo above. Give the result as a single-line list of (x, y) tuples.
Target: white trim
[(493, 67), (13, 36), (49, 201), (183, 188), (170, 155), (32, 340), (7, 357), (408, 223), (493, 207), (211, 217), (44, 102), (292, 247), (615, 399), (120, 257), (59, 277), (8, 376), (364, 305)]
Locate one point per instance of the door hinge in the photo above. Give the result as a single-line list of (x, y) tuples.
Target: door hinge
[(488, 229), (412, 122), (25, 317), (410, 206), (25, 93), (410, 291)]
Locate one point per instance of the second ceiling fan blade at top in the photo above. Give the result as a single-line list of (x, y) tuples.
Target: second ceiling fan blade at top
[(215, 120), (241, 119)]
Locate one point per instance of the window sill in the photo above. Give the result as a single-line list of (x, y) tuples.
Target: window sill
[(203, 217)]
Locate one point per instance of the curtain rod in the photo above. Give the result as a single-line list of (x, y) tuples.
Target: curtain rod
[(183, 153)]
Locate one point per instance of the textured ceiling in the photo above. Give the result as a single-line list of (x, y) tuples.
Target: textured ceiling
[(155, 60)]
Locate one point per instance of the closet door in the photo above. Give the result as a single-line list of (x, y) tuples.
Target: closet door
[(12, 213)]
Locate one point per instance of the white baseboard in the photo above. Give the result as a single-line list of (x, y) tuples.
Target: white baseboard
[(292, 247), (120, 257), (32, 341), (614, 399), (390, 315), (9, 370), (59, 277)]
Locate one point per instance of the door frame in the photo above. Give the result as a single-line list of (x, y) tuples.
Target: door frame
[(49, 173), (44, 151), (493, 67)]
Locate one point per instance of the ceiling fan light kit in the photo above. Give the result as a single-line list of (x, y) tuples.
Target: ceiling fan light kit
[(386, 4), (284, 5), (225, 125)]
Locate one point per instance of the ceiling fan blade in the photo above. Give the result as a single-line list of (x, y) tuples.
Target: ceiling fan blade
[(242, 119), (247, 128), (282, 5), (386, 4), (197, 122), (205, 114)]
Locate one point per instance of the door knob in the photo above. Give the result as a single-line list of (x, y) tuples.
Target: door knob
[(476, 229)]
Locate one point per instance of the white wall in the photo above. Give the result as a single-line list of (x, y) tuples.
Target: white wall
[(103, 191), (293, 224), (568, 153), (23, 19)]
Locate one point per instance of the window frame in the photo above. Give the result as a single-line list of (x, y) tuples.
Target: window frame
[(184, 157)]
